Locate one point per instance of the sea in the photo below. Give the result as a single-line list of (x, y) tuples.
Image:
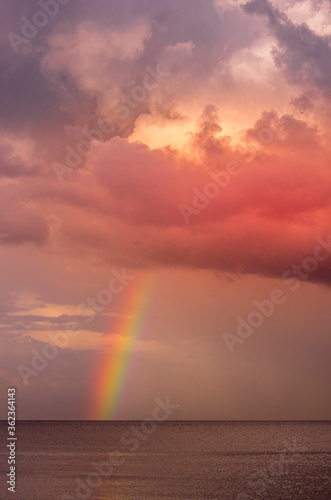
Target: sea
[(66, 460)]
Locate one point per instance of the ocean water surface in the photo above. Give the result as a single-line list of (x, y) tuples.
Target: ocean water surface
[(170, 460)]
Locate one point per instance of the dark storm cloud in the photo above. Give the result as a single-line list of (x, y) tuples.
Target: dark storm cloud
[(304, 55), (41, 106)]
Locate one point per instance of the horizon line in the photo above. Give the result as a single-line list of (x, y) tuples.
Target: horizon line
[(169, 420)]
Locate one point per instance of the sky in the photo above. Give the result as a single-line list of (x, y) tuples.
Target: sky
[(166, 165)]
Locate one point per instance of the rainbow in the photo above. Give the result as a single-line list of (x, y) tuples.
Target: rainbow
[(114, 365)]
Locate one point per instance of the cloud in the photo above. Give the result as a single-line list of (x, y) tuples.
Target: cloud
[(304, 55), (95, 61), (122, 207), (19, 221), (123, 204), (303, 102), (16, 158)]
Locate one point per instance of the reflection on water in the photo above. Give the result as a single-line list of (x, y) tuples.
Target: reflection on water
[(180, 460)]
